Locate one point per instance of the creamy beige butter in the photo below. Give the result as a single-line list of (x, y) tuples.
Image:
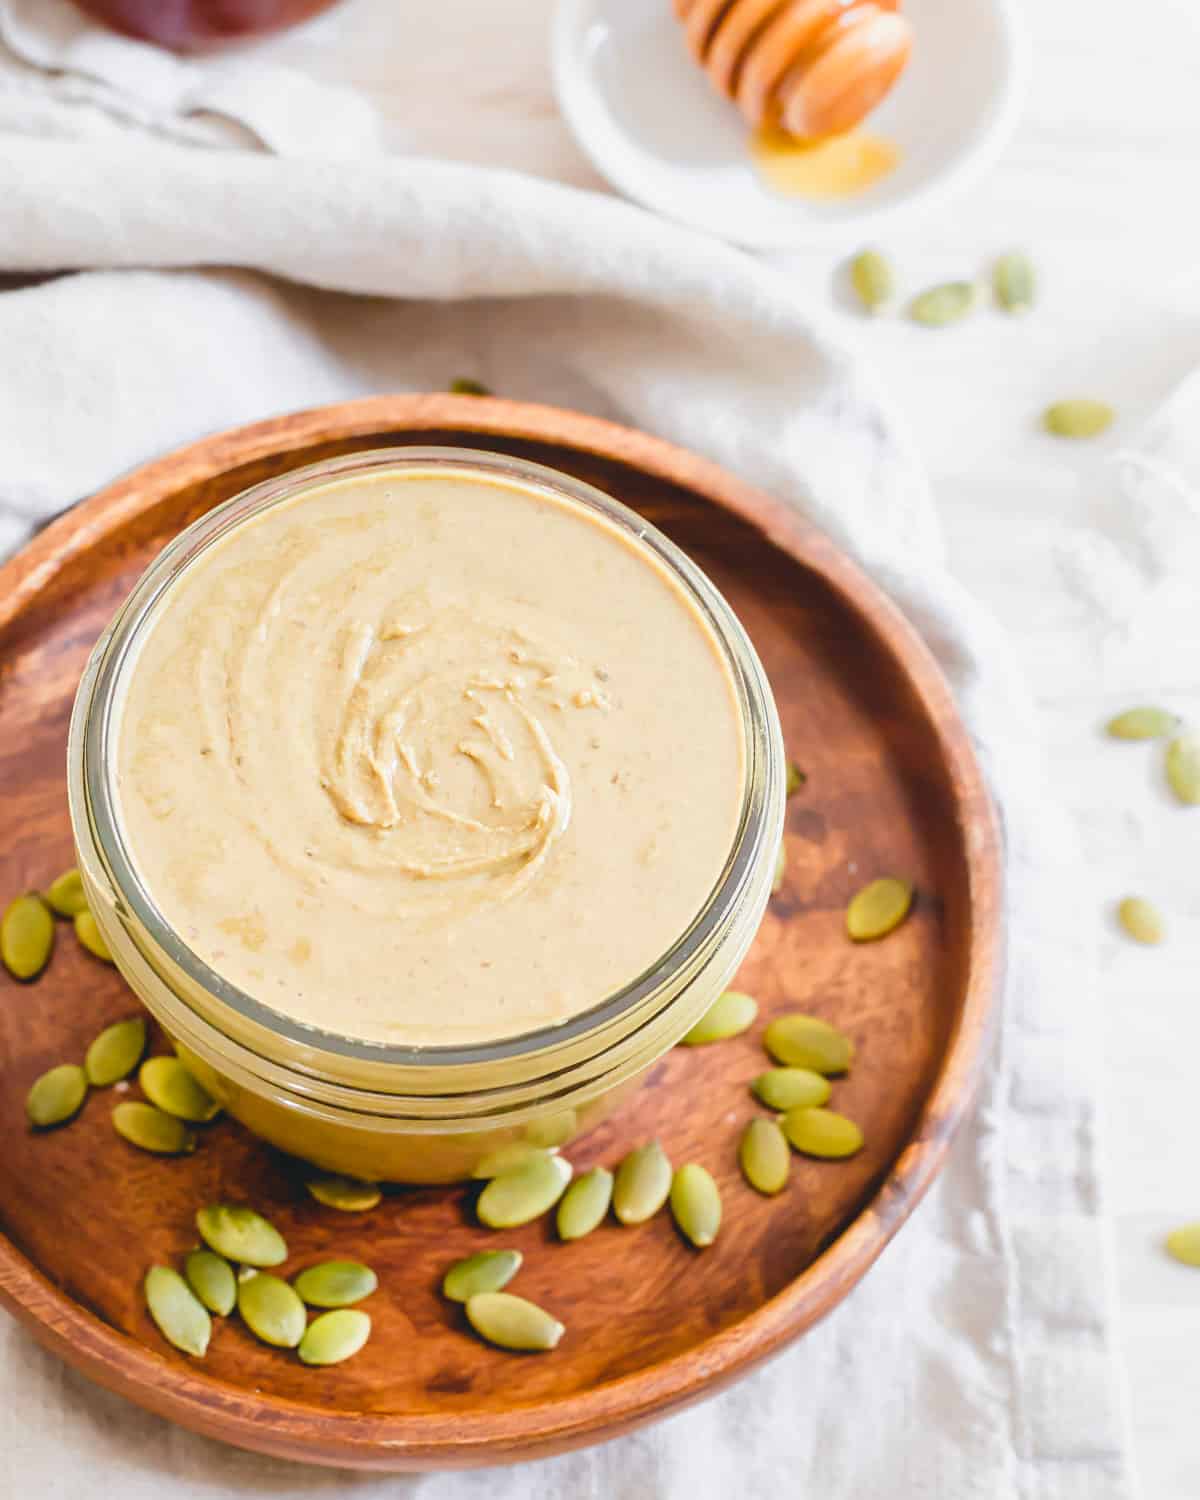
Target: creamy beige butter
[(427, 759)]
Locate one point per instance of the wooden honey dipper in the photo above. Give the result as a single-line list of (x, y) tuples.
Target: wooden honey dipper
[(811, 67)]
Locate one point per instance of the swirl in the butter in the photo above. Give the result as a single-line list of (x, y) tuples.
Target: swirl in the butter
[(428, 731), (443, 745)]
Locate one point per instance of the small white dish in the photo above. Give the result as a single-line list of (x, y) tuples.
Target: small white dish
[(646, 115)]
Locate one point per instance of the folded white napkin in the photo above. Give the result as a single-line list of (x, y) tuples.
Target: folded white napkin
[(975, 1362), (60, 73)]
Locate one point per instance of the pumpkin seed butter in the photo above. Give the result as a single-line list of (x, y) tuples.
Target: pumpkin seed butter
[(428, 759)]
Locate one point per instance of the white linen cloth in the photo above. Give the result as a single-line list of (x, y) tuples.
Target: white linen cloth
[(62, 73), (1137, 568), (975, 1362)]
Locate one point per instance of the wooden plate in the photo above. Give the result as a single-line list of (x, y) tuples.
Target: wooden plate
[(892, 788)]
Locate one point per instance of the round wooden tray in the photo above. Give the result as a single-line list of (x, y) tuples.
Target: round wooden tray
[(893, 788)]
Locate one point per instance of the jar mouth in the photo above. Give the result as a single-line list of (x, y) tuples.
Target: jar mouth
[(91, 757)]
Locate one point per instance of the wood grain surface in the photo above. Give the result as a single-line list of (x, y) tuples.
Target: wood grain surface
[(892, 788)]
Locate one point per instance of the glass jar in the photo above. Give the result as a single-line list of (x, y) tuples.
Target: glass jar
[(389, 1112)]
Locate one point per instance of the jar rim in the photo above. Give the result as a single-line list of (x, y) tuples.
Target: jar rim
[(93, 725)]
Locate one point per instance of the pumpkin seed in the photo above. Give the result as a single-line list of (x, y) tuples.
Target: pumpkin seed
[(241, 1235), (334, 1336), (66, 895), (780, 870), (56, 1096), (878, 909), (463, 385), (115, 1052), (26, 936), (584, 1204), (945, 304), (211, 1278), (1183, 768), (335, 1283), (1081, 418), (799, 1041), (177, 1312), (90, 936), (147, 1126), (347, 1194), (166, 1082), (871, 278), (525, 1193), (1184, 1244), (1141, 920), (696, 1204), (1013, 282), (486, 1271), (729, 1015), (796, 778), (791, 1088), (1143, 724), (271, 1310), (642, 1184), (764, 1157), (552, 1130), (508, 1158), (512, 1323), (822, 1132)]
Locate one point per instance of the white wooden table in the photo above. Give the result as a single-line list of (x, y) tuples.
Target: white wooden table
[(1102, 186)]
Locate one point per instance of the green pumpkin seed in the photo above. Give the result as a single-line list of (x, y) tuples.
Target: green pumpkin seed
[(26, 936), (166, 1082), (1141, 920), (1013, 282), (822, 1132), (799, 1041), (729, 1015), (871, 278), (1143, 724), (148, 1127), (526, 1193), (508, 1158), (585, 1203), (463, 385), (1183, 768), (486, 1271), (211, 1278), (66, 896), (878, 909), (1080, 418), (642, 1184), (335, 1283), (334, 1336), (90, 936), (791, 1088), (796, 778), (764, 1157), (347, 1194), (696, 1204), (271, 1310), (512, 1323), (115, 1052), (241, 1235), (943, 305), (780, 874), (552, 1130), (56, 1096), (1184, 1244), (178, 1314)]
